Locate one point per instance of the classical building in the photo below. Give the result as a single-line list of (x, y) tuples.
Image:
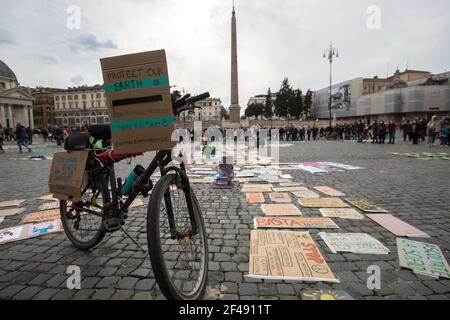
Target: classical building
[(211, 110), (44, 107), (16, 104), (80, 106), (407, 95)]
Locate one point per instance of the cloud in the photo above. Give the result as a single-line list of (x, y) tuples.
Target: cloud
[(6, 37), (50, 58), (91, 43), (77, 80)]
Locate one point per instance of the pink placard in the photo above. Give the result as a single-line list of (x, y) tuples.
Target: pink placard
[(397, 226)]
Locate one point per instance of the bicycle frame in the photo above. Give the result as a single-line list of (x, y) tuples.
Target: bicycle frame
[(143, 185)]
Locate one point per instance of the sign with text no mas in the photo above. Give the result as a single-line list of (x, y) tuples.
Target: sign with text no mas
[(139, 102)]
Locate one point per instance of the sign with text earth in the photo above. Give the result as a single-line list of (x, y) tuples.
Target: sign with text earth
[(139, 101), (289, 256), (423, 258)]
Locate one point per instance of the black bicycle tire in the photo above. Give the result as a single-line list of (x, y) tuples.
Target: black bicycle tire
[(154, 242), (100, 234)]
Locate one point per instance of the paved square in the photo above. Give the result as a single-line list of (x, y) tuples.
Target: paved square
[(414, 190)]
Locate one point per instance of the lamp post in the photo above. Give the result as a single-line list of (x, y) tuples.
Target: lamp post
[(330, 54)]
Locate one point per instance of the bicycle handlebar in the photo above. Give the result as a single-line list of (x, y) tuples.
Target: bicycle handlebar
[(186, 102)]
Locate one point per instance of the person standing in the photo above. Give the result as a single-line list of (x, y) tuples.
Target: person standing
[(375, 132), (392, 129), (2, 134), (432, 129), (415, 132), (57, 135), (382, 129), (444, 135), (22, 137), (406, 131), (30, 135)]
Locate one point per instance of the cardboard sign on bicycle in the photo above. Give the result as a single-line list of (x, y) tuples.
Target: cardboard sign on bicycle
[(66, 175), (139, 102)]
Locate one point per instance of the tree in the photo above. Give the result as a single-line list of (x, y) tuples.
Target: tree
[(254, 110), (308, 102), (296, 103), (283, 97), (268, 108)]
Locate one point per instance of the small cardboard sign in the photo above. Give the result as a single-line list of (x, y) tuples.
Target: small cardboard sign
[(139, 101), (280, 210), (423, 258), (289, 256), (366, 206), (305, 193), (360, 243), (42, 216), (254, 197), (295, 223), (330, 191), (30, 230), (249, 188), (324, 294), (66, 175), (12, 203), (323, 203), (289, 189), (397, 226), (279, 197), (350, 214), (11, 212)]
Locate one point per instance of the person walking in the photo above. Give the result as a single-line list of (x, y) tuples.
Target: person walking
[(406, 128), (57, 135), (392, 130), (30, 135), (375, 132), (382, 129), (22, 137)]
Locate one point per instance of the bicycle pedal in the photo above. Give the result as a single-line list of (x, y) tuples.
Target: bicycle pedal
[(112, 224)]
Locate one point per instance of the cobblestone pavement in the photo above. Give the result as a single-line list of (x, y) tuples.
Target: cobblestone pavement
[(414, 190)]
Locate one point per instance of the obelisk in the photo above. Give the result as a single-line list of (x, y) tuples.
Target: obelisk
[(235, 109)]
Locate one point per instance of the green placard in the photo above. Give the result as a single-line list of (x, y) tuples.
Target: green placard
[(126, 125), (146, 83)]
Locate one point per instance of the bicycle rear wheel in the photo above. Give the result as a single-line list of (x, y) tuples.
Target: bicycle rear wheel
[(179, 258), (85, 230)]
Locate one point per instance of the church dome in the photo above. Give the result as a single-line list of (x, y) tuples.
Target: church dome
[(6, 71)]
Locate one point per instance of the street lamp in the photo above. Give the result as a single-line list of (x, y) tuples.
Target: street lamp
[(330, 54)]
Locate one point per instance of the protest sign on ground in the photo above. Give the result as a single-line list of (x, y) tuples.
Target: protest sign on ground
[(11, 212), (289, 256), (366, 206), (12, 203), (280, 210), (280, 197), (360, 243), (295, 223), (329, 191), (342, 213), (42, 216), (255, 198), (323, 203), (306, 193), (30, 230), (324, 294), (397, 226)]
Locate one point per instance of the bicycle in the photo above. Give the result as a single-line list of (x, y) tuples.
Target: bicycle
[(176, 233)]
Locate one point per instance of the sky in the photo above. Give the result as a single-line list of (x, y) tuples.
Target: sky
[(46, 45)]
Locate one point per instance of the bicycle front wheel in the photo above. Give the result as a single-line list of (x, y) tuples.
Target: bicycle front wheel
[(178, 253)]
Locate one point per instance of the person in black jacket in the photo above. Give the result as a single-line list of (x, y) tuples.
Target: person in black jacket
[(382, 130), (22, 137)]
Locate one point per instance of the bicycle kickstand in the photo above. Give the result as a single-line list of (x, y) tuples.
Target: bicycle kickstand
[(134, 241)]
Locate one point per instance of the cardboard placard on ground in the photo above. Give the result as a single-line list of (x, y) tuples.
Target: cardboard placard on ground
[(49, 206), (255, 188), (423, 258), (295, 223), (11, 212), (280, 197), (42, 216), (289, 256), (323, 203), (366, 206), (66, 175), (360, 243), (12, 203), (30, 230), (280, 210), (290, 184), (288, 189), (47, 198), (139, 102), (397, 226), (306, 194), (330, 191), (137, 203), (324, 294), (255, 198), (344, 213)]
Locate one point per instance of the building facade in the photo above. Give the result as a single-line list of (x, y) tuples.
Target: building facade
[(211, 109), (81, 106), (420, 97), (44, 107), (16, 104)]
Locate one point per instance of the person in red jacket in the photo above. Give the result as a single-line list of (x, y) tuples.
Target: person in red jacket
[(392, 130)]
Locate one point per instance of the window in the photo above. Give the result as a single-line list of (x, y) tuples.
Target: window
[(92, 104), (92, 96), (63, 98), (57, 98), (99, 96), (83, 96), (75, 97), (69, 97)]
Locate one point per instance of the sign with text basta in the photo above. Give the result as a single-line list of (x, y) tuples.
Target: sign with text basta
[(139, 101)]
